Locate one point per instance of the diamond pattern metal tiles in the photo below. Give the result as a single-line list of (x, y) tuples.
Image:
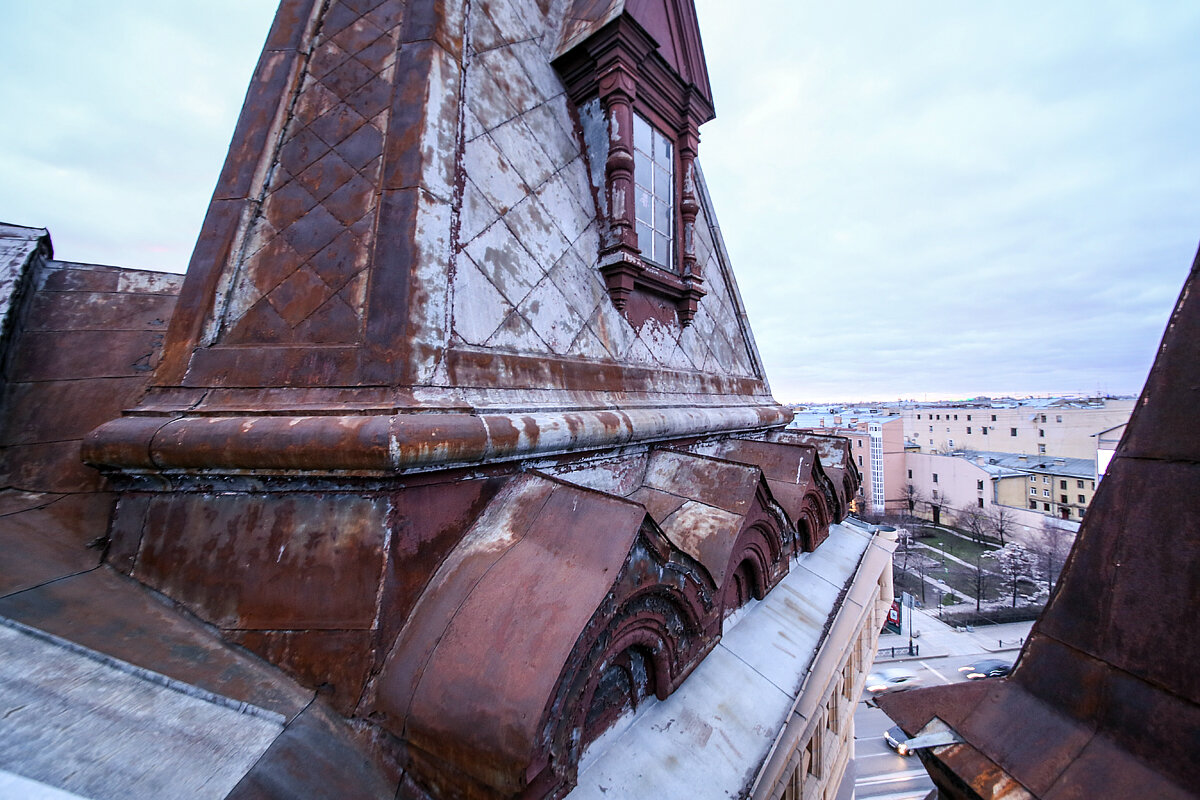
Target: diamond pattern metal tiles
[(301, 277)]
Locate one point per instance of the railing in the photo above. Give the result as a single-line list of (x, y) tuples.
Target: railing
[(907, 650)]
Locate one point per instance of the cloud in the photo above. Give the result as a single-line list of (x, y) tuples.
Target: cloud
[(932, 195)]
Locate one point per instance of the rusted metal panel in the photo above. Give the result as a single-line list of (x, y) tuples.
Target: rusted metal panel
[(318, 757), (79, 406), (49, 467), (706, 533), (723, 484), (268, 561), (114, 615), (426, 523), (52, 355), (334, 663), (658, 504), (44, 536), (99, 311)]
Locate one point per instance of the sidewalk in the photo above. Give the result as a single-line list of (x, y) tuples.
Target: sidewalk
[(938, 640)]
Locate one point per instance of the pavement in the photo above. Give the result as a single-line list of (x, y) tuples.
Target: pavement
[(936, 639)]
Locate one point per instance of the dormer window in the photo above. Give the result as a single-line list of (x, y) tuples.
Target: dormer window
[(654, 185), (643, 93)]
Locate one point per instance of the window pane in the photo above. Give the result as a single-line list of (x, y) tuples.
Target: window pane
[(643, 206), (662, 249), (662, 149), (662, 216), (662, 182), (641, 171), (641, 134), (645, 240)]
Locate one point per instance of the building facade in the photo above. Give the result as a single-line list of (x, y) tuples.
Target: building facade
[(877, 446), (1062, 427), (451, 468)]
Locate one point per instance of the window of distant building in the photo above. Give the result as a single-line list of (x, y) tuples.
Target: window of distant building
[(980, 501), (1080, 511), (1033, 490), (1062, 498), (1032, 478), (1013, 431), (1033, 504), (1045, 479), (910, 474), (956, 416), (1058, 418), (968, 417), (935, 494), (935, 477), (1041, 449), (952, 443), (1081, 499), (1041, 433), (1062, 484), (939, 416), (983, 430), (993, 417), (1043, 417), (1045, 492), (1093, 484), (931, 429), (979, 486), (1078, 484), (968, 430), (931, 442), (1045, 506), (860, 461)]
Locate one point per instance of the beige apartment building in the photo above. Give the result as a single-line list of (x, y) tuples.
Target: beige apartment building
[(1030, 490), (1062, 427)]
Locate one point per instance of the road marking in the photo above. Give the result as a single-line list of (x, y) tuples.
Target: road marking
[(935, 672)]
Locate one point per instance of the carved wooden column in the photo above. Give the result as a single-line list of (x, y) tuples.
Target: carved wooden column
[(620, 262), (689, 207)]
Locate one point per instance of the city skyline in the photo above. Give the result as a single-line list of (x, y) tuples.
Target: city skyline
[(929, 201)]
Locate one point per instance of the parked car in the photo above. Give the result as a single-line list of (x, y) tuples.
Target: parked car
[(986, 668), (892, 679), (897, 740)]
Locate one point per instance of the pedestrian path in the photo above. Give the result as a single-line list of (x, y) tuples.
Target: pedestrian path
[(936, 639)]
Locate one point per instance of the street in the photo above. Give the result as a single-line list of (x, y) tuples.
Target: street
[(879, 772)]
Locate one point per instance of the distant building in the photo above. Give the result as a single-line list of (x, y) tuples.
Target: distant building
[(1055, 427), (1104, 699), (945, 486), (877, 447)]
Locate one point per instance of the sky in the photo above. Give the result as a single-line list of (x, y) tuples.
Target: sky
[(928, 200)]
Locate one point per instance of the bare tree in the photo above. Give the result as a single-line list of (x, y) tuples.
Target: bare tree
[(981, 578), (1000, 523), (1014, 564), (975, 521), (1053, 543), (912, 499), (939, 503)]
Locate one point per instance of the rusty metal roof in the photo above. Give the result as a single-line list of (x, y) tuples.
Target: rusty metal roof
[(1104, 700), (472, 673)]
